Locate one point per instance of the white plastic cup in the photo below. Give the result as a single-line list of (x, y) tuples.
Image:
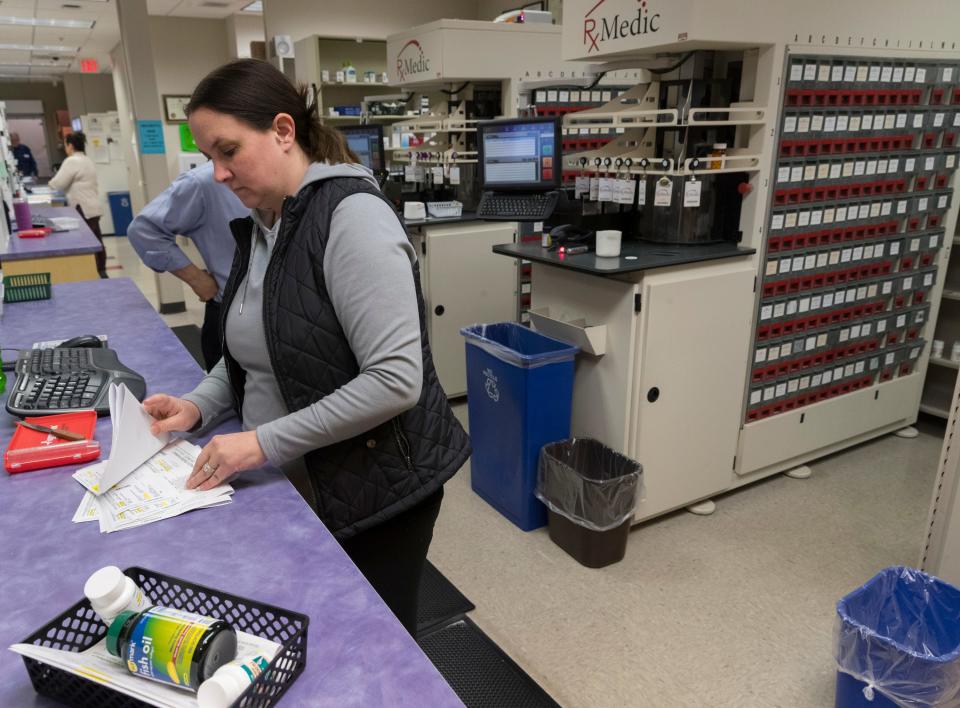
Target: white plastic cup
[(608, 243), (955, 352), (937, 350)]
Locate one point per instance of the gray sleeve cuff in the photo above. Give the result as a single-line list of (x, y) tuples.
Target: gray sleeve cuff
[(213, 396)]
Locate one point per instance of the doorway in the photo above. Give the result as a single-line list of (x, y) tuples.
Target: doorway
[(33, 134)]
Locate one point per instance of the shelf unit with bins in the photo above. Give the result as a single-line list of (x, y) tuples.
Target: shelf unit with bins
[(941, 375), (862, 187)]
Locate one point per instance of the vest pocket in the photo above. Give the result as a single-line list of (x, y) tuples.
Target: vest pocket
[(402, 443)]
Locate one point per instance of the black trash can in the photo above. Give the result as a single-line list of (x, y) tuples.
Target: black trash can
[(590, 492)]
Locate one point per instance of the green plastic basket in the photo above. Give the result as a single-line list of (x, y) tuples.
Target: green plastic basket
[(26, 287)]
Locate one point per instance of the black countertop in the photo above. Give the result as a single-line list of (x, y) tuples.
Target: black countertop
[(430, 221), (634, 256)]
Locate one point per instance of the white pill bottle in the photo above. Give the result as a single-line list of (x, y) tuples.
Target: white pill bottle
[(111, 592), (229, 681)]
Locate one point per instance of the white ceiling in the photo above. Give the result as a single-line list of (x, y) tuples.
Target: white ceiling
[(96, 43)]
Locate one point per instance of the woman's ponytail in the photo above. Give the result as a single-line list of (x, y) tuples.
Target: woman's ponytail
[(324, 144)]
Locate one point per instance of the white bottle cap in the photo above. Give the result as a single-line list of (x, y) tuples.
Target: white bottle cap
[(105, 586), (223, 688)]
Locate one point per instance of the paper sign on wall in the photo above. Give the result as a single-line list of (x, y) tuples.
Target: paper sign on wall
[(150, 134)]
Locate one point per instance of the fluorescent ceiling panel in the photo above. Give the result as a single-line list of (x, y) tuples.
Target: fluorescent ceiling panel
[(38, 47), (42, 22)]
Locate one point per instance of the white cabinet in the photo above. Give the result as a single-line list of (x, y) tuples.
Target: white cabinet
[(464, 283), (667, 391)]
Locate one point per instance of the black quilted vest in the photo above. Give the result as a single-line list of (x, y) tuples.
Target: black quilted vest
[(365, 480)]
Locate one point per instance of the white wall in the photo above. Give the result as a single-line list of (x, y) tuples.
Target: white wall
[(372, 19), (200, 47), (241, 30)]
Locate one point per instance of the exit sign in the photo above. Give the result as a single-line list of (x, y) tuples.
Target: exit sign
[(88, 66)]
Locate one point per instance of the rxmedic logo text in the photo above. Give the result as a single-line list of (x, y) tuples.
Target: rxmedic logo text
[(600, 29), (411, 61)]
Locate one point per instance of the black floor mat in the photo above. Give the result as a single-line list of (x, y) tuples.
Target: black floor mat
[(189, 336), (439, 601), (478, 671)]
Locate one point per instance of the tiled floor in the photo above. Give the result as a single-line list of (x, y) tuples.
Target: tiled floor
[(734, 609)]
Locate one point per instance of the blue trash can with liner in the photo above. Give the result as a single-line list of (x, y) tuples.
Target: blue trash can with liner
[(519, 396), (897, 642), (120, 211)]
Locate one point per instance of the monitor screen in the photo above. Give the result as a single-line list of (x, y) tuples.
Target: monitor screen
[(366, 141), (521, 154)]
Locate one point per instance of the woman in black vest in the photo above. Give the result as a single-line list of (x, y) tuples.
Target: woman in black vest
[(325, 355)]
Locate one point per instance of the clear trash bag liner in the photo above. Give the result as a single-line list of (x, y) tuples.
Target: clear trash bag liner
[(519, 345), (900, 634), (588, 483)]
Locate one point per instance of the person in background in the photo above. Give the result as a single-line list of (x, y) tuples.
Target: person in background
[(77, 178), (24, 157), (325, 352), (197, 207)]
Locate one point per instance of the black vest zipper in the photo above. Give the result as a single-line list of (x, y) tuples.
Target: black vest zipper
[(402, 443)]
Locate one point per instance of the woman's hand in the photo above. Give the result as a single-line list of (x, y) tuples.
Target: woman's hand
[(171, 414), (225, 456)]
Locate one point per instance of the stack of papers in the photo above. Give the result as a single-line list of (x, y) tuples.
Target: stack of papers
[(144, 480), (97, 664), (153, 491)]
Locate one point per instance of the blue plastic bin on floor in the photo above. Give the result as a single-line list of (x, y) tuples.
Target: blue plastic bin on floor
[(898, 642), (120, 211), (519, 393)]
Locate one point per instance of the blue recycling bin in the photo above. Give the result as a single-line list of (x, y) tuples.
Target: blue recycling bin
[(519, 394), (120, 211), (898, 642)]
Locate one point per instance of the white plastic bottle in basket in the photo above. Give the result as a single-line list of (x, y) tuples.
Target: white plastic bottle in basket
[(229, 681), (111, 592)]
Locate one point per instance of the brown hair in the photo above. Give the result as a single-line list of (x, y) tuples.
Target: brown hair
[(77, 140), (254, 91)]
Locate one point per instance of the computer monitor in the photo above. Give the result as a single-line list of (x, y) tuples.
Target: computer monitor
[(366, 141), (521, 155)]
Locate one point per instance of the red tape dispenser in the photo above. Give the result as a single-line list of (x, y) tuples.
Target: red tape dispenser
[(34, 450)]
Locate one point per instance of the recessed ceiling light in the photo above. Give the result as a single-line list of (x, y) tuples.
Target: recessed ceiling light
[(254, 7), (41, 22), (39, 48)]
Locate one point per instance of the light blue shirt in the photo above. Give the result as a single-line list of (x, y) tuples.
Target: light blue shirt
[(195, 206)]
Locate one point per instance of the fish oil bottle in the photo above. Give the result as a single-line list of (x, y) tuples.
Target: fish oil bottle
[(172, 646)]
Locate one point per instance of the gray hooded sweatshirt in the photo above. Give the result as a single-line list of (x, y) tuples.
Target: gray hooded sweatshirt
[(367, 268)]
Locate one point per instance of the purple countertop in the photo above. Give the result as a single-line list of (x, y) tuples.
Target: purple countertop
[(58, 243), (267, 545)]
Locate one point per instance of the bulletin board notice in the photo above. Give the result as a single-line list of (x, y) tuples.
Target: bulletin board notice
[(150, 133)]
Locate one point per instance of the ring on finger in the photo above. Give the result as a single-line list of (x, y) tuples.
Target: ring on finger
[(209, 469)]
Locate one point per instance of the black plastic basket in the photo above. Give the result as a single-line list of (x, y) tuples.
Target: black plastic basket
[(27, 287), (80, 628)]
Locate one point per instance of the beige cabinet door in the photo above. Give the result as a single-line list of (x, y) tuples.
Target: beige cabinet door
[(466, 284), (694, 335)]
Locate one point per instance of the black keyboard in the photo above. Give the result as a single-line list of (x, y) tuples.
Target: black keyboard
[(51, 381), (505, 206)]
